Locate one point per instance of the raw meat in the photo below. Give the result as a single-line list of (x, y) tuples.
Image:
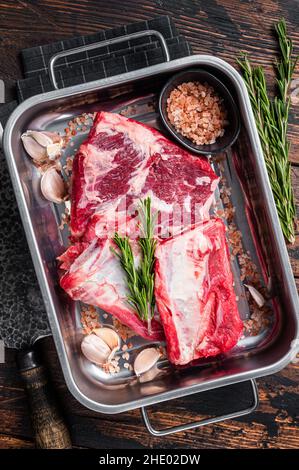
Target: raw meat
[(123, 160), (194, 294), (96, 278)]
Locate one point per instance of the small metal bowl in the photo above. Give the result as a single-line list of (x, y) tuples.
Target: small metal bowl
[(231, 130)]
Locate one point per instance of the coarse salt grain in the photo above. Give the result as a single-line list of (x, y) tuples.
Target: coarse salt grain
[(197, 112), (259, 317)]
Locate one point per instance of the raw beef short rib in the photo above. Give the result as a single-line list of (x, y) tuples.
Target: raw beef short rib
[(123, 160), (194, 294), (97, 278)]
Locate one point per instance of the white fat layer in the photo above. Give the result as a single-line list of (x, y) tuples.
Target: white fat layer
[(214, 184), (101, 275), (187, 203), (202, 212), (185, 260), (158, 204), (188, 184), (138, 179), (202, 180), (84, 258), (146, 140), (97, 164), (100, 267), (107, 208)]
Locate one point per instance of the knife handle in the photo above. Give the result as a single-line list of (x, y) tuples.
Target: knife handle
[(50, 430)]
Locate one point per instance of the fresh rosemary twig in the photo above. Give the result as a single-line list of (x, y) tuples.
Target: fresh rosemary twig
[(147, 244), (137, 297), (140, 280), (272, 121)]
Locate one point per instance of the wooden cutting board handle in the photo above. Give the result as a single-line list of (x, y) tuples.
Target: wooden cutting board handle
[(50, 430)]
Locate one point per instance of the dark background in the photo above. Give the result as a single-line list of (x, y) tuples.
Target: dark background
[(222, 28)]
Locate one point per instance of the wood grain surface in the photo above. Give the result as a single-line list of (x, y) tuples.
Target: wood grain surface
[(48, 425), (222, 28)]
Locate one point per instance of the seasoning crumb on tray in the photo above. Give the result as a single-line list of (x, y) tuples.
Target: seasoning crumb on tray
[(260, 317), (197, 112), (89, 319), (200, 113)]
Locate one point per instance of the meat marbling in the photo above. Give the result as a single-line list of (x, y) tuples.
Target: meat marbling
[(194, 294), (123, 160), (97, 278)]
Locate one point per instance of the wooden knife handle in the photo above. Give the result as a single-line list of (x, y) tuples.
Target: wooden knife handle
[(50, 430)]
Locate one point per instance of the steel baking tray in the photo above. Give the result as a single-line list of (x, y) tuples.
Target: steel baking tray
[(243, 169)]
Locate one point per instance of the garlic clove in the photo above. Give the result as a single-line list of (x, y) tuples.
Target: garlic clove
[(95, 349), (112, 354), (107, 343), (146, 360), (149, 375), (40, 137), (55, 138), (53, 151), (52, 186), (256, 295), (109, 336), (42, 144), (33, 148)]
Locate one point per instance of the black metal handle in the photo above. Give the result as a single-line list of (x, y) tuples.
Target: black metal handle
[(108, 42)]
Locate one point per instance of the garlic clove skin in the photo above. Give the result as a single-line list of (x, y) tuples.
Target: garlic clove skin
[(146, 360), (55, 138), (40, 137), (36, 151), (149, 375), (256, 295), (53, 151), (110, 337), (41, 145), (52, 186), (95, 349), (45, 138), (112, 354), (101, 345)]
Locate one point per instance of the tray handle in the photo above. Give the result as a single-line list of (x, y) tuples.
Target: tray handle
[(204, 422), (108, 42)]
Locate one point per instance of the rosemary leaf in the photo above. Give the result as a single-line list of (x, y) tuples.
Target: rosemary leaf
[(140, 280), (147, 244), (271, 118)]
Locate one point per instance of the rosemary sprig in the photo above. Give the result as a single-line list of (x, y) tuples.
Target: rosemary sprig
[(147, 244), (140, 280), (272, 121), (137, 297)]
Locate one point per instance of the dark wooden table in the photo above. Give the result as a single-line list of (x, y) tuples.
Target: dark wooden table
[(220, 27)]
